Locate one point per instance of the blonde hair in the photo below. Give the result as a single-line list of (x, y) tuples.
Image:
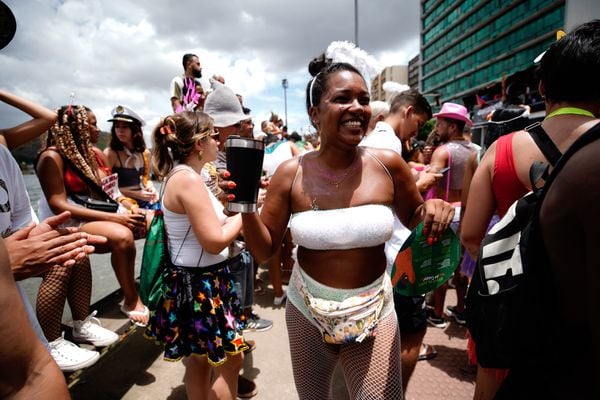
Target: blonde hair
[(379, 108), (174, 139)]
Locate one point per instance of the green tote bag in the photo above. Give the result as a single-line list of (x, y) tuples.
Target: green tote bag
[(155, 260)]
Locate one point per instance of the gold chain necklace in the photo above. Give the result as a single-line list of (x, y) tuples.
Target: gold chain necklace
[(345, 174)]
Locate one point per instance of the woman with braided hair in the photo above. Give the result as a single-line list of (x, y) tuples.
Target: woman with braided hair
[(71, 166)]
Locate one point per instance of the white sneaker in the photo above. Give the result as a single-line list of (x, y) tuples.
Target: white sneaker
[(90, 330), (71, 357)]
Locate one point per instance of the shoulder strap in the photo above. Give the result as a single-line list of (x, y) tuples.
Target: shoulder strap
[(589, 136), (449, 176), (543, 141), (539, 169), (169, 175), (387, 171), (297, 171), (162, 191)]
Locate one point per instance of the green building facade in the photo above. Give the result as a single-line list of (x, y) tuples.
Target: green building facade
[(473, 49)]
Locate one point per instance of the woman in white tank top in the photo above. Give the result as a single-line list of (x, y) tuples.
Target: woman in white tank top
[(198, 312)]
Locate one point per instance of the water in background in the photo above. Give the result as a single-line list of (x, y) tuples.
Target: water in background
[(104, 281)]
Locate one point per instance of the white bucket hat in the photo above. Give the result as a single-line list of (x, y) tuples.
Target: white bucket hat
[(223, 106)]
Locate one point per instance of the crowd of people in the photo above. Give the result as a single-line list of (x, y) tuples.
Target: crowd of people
[(333, 211)]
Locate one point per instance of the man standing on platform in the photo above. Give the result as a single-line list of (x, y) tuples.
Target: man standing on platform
[(184, 96)]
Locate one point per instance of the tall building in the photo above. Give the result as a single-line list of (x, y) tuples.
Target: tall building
[(413, 72), (394, 73), (474, 51)]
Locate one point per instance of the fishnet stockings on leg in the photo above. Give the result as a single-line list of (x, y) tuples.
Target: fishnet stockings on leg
[(313, 361), (58, 285), (79, 291), (372, 368), (51, 300)]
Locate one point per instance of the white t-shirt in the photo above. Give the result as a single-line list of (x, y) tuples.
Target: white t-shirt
[(15, 210), (275, 154), (384, 137), (16, 213), (176, 87)]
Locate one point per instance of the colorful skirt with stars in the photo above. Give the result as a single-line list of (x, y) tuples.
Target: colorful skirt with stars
[(198, 314)]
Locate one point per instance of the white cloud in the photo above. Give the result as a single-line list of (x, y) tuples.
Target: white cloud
[(124, 51)]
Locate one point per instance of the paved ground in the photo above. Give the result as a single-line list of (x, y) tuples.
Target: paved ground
[(134, 369)]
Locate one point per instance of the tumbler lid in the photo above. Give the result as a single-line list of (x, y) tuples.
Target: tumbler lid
[(243, 142)]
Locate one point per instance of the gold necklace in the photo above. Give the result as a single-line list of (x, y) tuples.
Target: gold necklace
[(345, 174)]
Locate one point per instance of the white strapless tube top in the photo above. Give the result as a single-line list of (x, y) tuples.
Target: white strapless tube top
[(343, 228)]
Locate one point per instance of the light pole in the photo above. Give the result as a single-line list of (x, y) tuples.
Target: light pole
[(284, 84), (356, 22)]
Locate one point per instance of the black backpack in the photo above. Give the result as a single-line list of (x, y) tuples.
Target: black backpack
[(499, 305)]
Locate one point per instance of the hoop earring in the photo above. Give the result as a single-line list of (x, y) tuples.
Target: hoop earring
[(200, 154)]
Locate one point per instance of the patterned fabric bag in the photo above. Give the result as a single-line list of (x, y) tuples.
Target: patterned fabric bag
[(348, 321)]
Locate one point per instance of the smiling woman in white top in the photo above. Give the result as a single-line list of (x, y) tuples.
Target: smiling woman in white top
[(341, 200)]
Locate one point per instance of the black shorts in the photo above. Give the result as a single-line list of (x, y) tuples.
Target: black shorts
[(411, 314)]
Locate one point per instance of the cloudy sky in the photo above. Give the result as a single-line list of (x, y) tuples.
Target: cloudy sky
[(111, 52)]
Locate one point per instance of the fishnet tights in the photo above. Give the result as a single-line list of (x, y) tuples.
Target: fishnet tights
[(73, 284), (371, 368)]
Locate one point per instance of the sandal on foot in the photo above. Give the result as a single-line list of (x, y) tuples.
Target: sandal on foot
[(427, 352), (251, 346), (246, 388), (134, 313)]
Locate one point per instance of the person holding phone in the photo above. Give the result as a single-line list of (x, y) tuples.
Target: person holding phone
[(450, 159)]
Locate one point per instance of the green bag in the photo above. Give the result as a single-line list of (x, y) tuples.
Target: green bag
[(155, 260), (420, 268)]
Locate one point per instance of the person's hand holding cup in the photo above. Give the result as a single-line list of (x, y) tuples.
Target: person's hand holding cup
[(244, 163)]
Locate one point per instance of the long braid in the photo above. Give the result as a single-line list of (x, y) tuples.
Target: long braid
[(75, 146)]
